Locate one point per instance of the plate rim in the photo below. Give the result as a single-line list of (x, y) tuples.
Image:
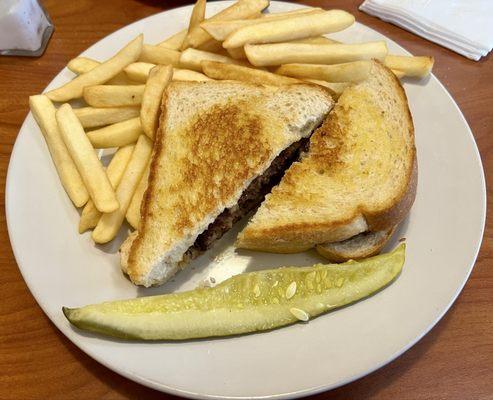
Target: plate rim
[(72, 335)]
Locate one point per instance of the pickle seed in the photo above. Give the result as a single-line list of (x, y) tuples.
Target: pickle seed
[(291, 290), (300, 314)]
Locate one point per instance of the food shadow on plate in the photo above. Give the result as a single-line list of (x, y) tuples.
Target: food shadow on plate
[(97, 336), (114, 245), (212, 263), (416, 81), (398, 236)]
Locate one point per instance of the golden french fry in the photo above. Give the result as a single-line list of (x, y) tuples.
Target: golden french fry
[(93, 117), (413, 66), (188, 75), (255, 15), (287, 53), (315, 40), (238, 53), (113, 95), (81, 65), (90, 215), (220, 30), (191, 59), (239, 10), (85, 159), (116, 135), (355, 71), (44, 113), (158, 80), (139, 71), (217, 70), (213, 46), (295, 27), (100, 74), (398, 73), (335, 88), (159, 55), (133, 212), (174, 42), (110, 223), (197, 16), (306, 10)]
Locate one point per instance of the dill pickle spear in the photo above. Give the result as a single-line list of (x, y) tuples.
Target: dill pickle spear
[(245, 303)]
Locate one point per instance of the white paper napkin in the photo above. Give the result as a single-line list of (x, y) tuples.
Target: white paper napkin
[(464, 26)]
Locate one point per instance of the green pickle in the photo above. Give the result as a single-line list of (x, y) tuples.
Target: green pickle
[(249, 302)]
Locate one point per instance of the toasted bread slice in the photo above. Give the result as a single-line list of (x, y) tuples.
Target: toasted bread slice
[(359, 175), (215, 141), (363, 245)]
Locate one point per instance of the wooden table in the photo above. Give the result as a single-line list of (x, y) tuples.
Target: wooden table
[(454, 361)]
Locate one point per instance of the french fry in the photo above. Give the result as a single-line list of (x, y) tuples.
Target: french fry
[(238, 53), (295, 27), (113, 95), (92, 117), (100, 74), (398, 73), (239, 10), (44, 113), (191, 59), (188, 75), (217, 70), (335, 88), (197, 16), (158, 80), (418, 67), (133, 212), (159, 55), (116, 135), (316, 40), (110, 222), (287, 53), (213, 46), (306, 10), (255, 15), (174, 42), (355, 71), (85, 159), (81, 65), (90, 215), (220, 30), (139, 71)]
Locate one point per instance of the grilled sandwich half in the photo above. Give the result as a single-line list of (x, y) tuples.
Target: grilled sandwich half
[(354, 185), (220, 148)]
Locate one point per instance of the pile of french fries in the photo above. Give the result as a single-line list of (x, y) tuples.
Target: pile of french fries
[(123, 94)]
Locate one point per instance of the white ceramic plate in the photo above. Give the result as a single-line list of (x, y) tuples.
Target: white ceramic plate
[(443, 232)]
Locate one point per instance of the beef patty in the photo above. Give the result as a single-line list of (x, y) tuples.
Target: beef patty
[(250, 199)]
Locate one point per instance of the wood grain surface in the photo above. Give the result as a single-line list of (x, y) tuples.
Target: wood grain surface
[(454, 361)]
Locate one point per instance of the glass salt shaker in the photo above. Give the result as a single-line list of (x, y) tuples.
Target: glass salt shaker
[(25, 28)]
